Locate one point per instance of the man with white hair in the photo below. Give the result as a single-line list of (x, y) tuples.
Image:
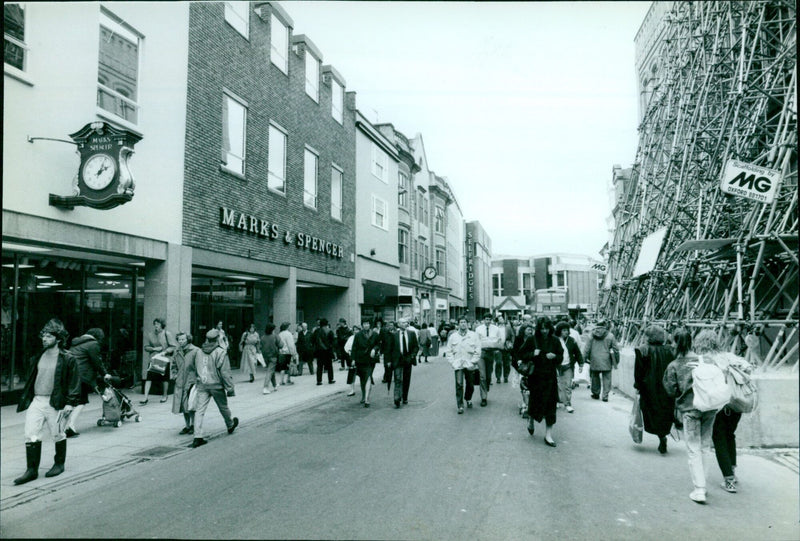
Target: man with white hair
[(402, 351)]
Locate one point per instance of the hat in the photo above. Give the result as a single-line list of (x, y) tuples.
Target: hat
[(213, 334)]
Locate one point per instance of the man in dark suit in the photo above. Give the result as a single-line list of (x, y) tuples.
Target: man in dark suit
[(403, 354)]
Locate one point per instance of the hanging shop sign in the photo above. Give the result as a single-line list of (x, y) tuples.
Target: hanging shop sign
[(750, 181), (259, 227), (470, 268), (103, 180), (441, 304)]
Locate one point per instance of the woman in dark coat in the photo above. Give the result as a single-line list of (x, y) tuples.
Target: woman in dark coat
[(648, 372), (545, 350)]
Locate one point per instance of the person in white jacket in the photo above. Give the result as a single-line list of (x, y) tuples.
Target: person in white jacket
[(464, 353), (287, 354)]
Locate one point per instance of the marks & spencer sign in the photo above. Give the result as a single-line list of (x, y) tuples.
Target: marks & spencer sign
[(253, 225)]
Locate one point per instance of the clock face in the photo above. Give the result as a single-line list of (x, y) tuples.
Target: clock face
[(99, 171), (430, 273)]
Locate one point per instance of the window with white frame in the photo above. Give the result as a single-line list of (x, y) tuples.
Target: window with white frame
[(402, 189), (118, 70), (497, 285), (439, 220), (276, 163), (379, 213), (402, 246), (380, 163), (279, 44), (15, 52), (440, 259), (310, 179), (527, 288), (337, 101), (237, 14), (234, 124), (312, 76), (336, 193)]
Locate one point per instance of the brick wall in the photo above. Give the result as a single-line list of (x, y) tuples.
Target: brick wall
[(220, 57)]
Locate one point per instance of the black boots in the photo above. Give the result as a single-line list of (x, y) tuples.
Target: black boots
[(33, 454), (60, 458), (662, 445)]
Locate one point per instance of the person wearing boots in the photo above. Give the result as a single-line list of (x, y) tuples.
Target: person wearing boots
[(51, 391)]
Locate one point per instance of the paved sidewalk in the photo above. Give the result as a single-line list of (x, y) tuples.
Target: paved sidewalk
[(101, 449)]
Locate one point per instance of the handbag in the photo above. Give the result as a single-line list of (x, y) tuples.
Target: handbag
[(744, 395), (636, 423), (525, 368), (191, 401), (159, 364)]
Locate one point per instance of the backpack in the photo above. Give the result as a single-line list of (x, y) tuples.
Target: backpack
[(744, 395), (711, 391)]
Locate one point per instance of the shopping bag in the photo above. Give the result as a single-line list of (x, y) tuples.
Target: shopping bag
[(636, 424), (260, 359), (159, 363), (191, 402)]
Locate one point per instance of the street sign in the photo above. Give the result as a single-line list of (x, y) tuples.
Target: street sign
[(750, 181)]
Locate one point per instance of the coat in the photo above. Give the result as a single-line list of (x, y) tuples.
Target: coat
[(213, 368), (464, 352), (575, 355), (67, 385), (364, 344), (183, 362), (86, 350), (393, 349), (648, 376), (543, 383), (601, 350)]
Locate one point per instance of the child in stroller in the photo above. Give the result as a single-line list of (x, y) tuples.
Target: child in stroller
[(116, 406)]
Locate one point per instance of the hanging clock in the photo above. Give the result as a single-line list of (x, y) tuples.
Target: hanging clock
[(429, 273), (104, 180)]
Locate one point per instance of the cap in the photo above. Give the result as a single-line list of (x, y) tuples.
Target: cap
[(213, 334)]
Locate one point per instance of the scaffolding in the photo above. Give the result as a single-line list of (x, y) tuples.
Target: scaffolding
[(726, 90)]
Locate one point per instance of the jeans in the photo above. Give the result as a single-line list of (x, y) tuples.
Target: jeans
[(402, 381), (565, 386), (606, 376), (503, 366), (464, 377), (697, 429), (485, 365), (41, 413), (270, 376), (204, 396), (724, 438), (324, 362)]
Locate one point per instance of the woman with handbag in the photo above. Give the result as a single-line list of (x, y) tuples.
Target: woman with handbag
[(540, 352), (159, 344), (248, 345), (185, 379)]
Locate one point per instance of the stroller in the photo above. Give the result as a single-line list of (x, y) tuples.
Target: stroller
[(520, 381), (116, 406)]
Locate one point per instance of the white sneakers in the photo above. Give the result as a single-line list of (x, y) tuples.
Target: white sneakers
[(265, 391), (570, 409), (698, 495)]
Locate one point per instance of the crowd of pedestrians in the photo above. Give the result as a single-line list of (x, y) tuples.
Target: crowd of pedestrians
[(546, 356)]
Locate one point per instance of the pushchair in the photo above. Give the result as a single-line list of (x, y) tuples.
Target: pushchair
[(116, 406), (520, 381)]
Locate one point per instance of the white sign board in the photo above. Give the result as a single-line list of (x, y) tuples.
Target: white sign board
[(648, 255), (750, 181)]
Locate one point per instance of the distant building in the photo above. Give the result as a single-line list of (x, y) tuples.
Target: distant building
[(515, 281)]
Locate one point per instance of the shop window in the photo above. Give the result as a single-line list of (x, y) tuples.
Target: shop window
[(312, 76), (118, 70), (15, 51), (336, 193), (279, 44), (276, 174), (379, 213), (237, 14), (337, 102), (310, 179), (82, 295), (234, 123)]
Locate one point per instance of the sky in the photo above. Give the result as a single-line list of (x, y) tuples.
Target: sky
[(523, 106)]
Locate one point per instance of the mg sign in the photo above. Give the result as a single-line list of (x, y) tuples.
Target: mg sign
[(750, 181)]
